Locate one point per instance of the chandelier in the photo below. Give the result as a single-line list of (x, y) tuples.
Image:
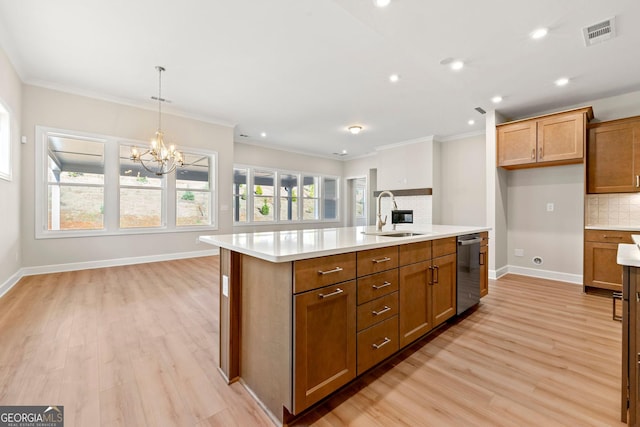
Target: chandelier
[(158, 159)]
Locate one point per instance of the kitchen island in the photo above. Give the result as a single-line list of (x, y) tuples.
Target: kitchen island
[(302, 313)]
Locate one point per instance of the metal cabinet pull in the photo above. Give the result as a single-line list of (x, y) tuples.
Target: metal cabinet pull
[(637, 180), (378, 261), (436, 270), (541, 153), (335, 270), (533, 154), (383, 343), (384, 285), (481, 260), (384, 310), (336, 292), (612, 237)]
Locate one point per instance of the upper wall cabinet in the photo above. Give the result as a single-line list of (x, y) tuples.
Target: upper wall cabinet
[(554, 139), (613, 156)]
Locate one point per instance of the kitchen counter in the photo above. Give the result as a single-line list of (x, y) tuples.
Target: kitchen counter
[(613, 227), (294, 245)]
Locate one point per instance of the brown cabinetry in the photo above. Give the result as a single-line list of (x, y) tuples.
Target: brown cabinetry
[(484, 264), (555, 139), (324, 342), (601, 269), (427, 291), (613, 156)]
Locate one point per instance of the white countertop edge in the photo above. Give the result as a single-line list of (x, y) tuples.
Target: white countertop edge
[(373, 242), (628, 255), (613, 227)]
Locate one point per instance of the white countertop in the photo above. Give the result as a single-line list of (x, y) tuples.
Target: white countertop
[(613, 227), (293, 245), (629, 254)]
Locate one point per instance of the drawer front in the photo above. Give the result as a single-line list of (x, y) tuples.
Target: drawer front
[(442, 247), (377, 343), (609, 236), (377, 310), (377, 260), (376, 285), (415, 252), (315, 273)]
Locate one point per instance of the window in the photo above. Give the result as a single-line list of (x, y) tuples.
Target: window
[(282, 196), (88, 186), (5, 144)]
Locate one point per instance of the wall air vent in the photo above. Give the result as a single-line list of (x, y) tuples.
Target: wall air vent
[(600, 32)]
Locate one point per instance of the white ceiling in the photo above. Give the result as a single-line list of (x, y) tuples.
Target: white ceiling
[(303, 70)]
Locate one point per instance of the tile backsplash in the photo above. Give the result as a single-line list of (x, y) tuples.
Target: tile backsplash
[(421, 206), (612, 209)]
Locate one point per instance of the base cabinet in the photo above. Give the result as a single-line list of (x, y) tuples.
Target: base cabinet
[(443, 288), (324, 342), (415, 301), (601, 269)]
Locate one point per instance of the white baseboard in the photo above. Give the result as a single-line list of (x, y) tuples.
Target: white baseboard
[(545, 274), (58, 268), (496, 274)]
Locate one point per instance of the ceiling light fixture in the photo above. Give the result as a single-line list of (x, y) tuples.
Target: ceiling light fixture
[(263, 134), (496, 99), (381, 3), (355, 129), (539, 33), (457, 65), (166, 159), (562, 81), (393, 78), (471, 122)]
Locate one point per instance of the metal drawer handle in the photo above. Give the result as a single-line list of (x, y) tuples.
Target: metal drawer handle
[(378, 261), (384, 285), (335, 270), (533, 154), (612, 237), (637, 180), (336, 292), (384, 310), (383, 343)]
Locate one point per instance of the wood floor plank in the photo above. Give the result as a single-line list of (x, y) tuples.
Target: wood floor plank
[(138, 346)]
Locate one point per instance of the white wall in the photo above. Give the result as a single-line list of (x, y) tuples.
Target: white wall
[(254, 155), (67, 111), (463, 192), (10, 191), (406, 166)]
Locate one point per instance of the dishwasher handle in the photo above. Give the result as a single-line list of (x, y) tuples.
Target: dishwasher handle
[(470, 241)]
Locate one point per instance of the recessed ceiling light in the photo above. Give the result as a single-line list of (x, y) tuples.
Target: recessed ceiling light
[(496, 99), (538, 33), (562, 81), (355, 129), (393, 78), (457, 65), (344, 151), (471, 122), (381, 3), (263, 134)]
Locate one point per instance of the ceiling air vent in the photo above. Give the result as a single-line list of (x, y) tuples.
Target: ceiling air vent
[(600, 32), (480, 110)]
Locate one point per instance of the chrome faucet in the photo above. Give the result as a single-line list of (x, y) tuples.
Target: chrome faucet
[(381, 223)]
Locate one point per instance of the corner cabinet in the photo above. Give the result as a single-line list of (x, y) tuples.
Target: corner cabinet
[(555, 139), (613, 156)]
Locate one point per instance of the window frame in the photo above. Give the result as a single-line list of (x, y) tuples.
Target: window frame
[(277, 199), (111, 223), (6, 150)]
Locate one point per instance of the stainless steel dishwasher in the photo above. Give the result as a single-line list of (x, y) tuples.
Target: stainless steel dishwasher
[(468, 272)]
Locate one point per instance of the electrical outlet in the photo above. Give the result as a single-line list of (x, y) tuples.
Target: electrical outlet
[(550, 207)]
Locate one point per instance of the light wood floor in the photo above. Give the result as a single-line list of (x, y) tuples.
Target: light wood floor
[(137, 346)]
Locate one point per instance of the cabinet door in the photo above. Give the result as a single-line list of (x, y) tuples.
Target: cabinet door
[(484, 270), (601, 269), (517, 143), (613, 158), (324, 342), (561, 138), (443, 288), (415, 302)]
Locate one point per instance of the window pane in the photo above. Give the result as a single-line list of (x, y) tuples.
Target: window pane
[(288, 197), (75, 208), (5, 144), (193, 208), (240, 195), (140, 207), (310, 186), (263, 192), (194, 175), (310, 194), (134, 174), (78, 163), (288, 208), (310, 209), (330, 197)]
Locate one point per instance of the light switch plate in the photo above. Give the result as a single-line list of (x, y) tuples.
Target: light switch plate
[(225, 285)]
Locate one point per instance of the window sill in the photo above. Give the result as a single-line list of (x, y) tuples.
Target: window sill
[(131, 232)]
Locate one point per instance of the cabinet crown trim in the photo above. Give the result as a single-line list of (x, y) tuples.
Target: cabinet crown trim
[(588, 110)]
